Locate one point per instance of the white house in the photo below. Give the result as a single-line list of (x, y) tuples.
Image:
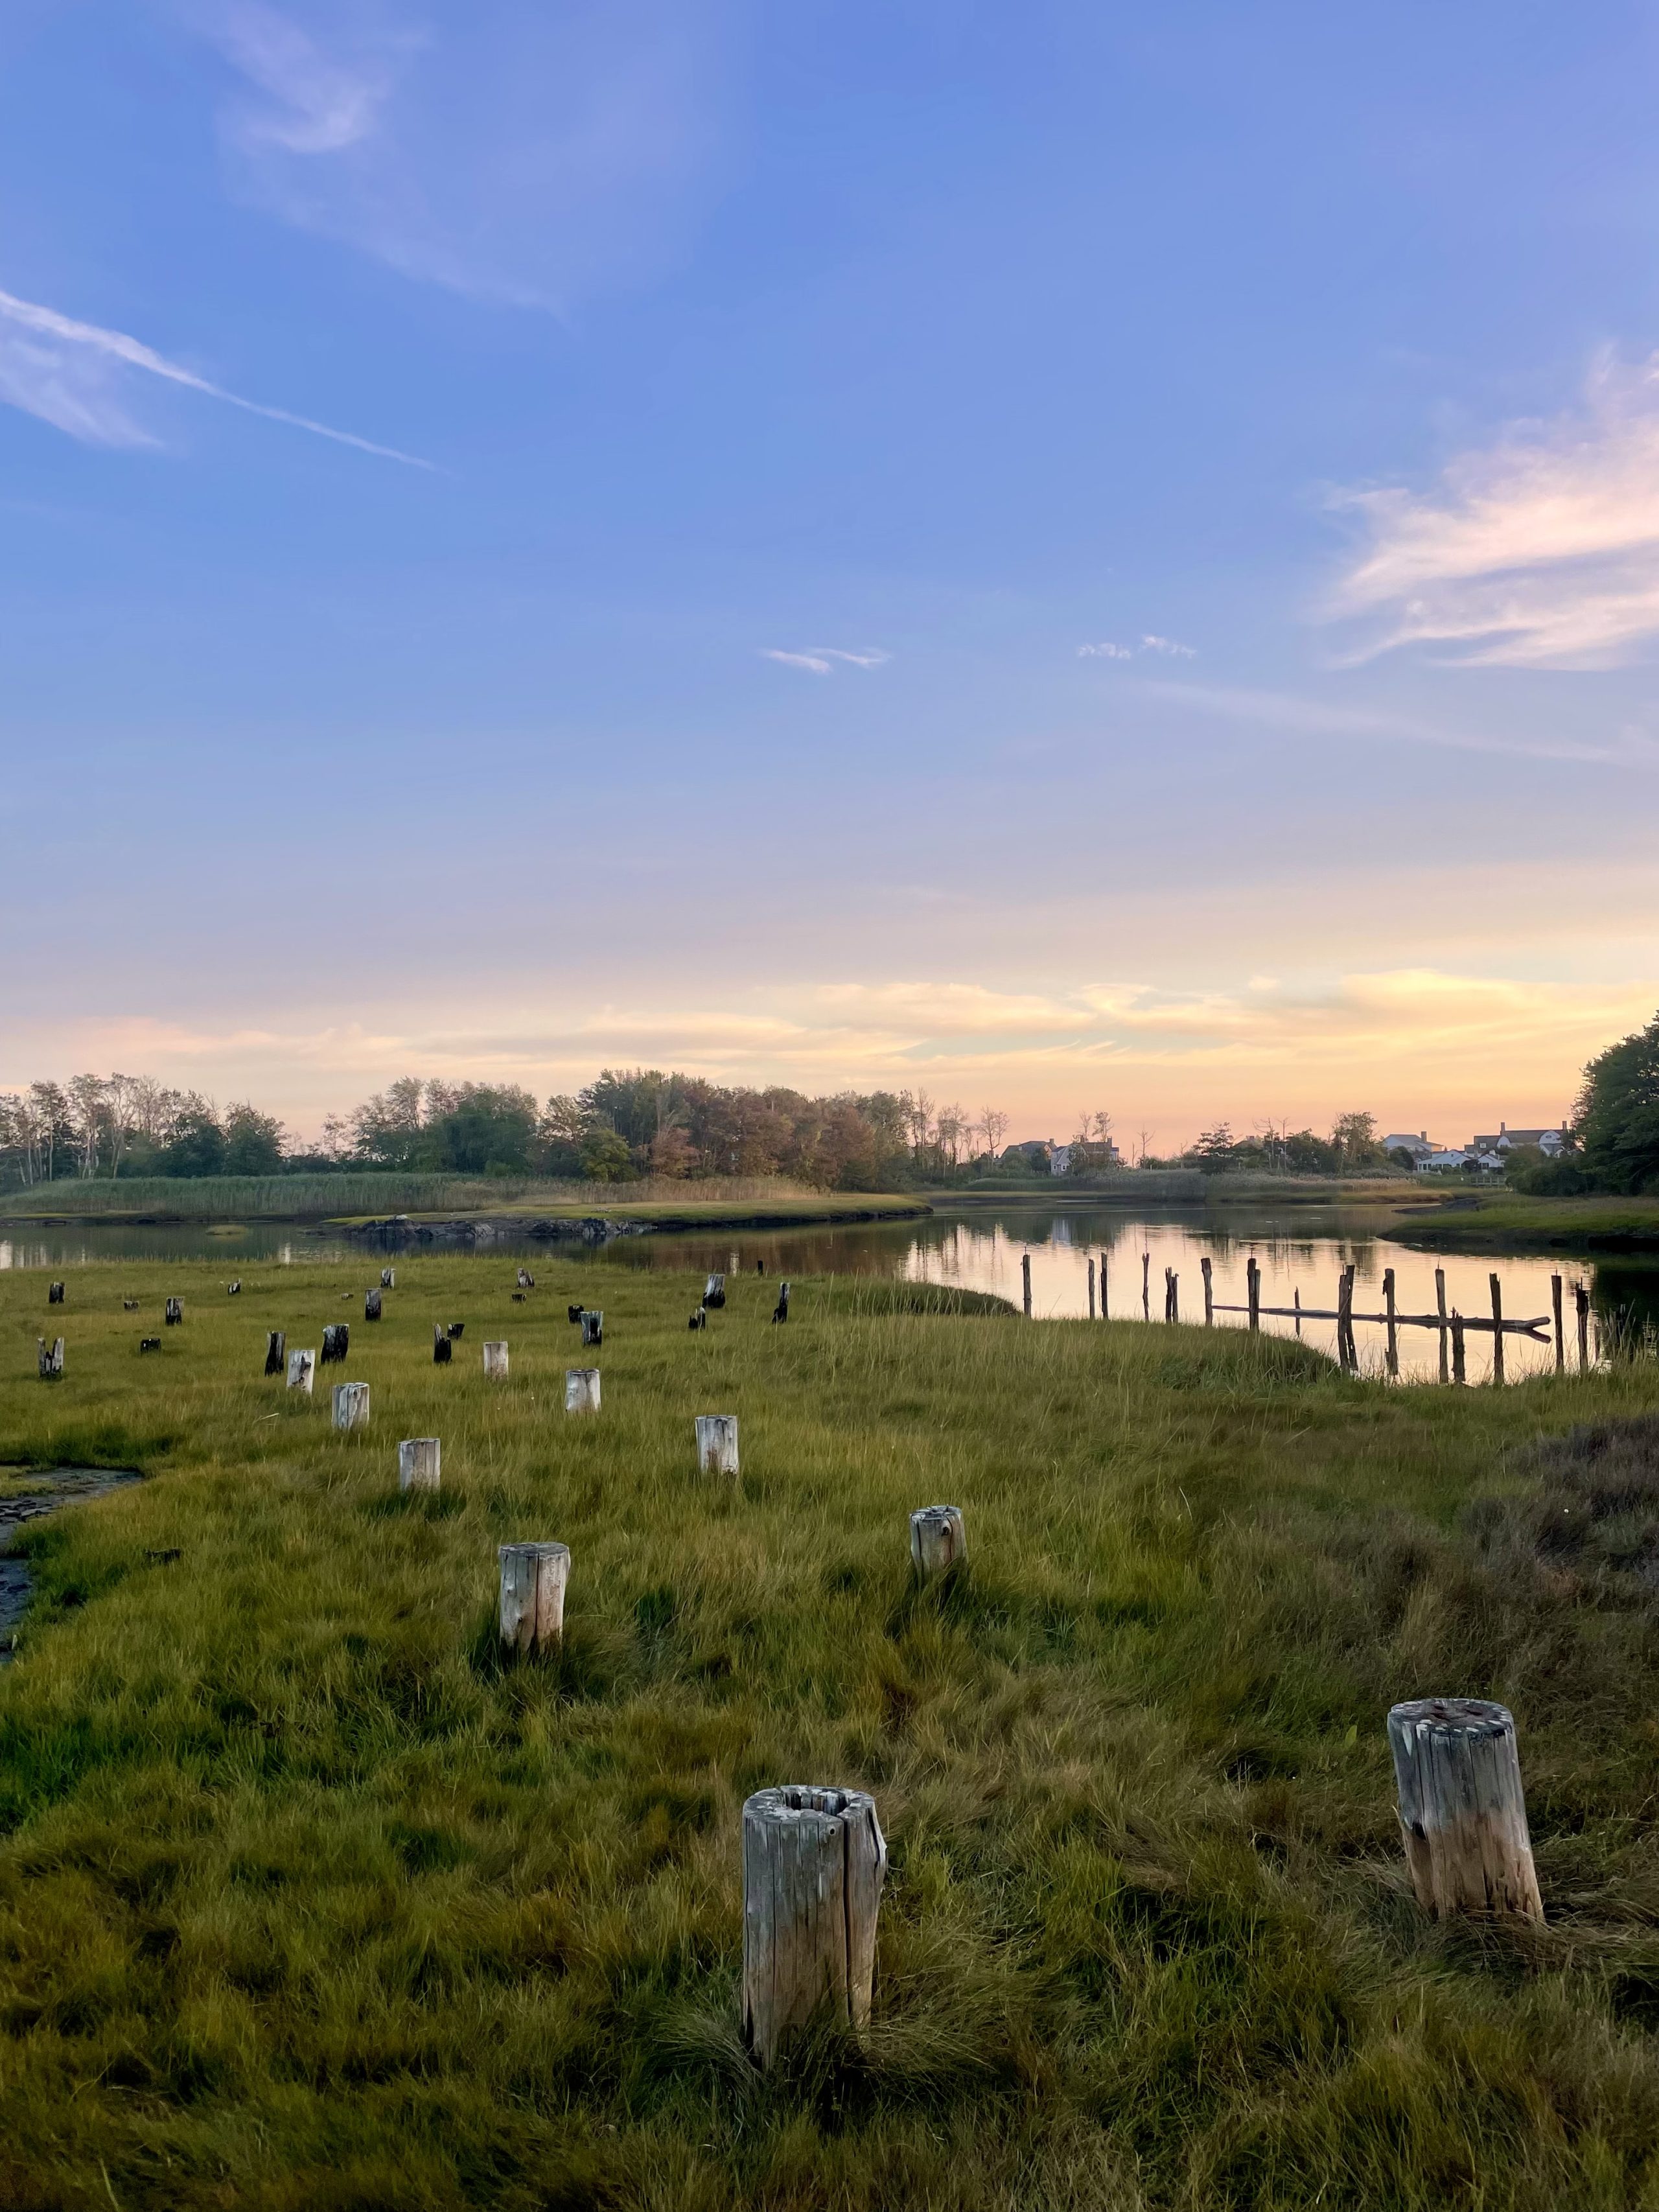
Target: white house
[(1548, 1141), (1452, 1160), (1419, 1146)]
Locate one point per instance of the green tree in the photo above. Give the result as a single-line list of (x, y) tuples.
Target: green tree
[(1616, 1122), (254, 1142), (196, 1145), (605, 1156)]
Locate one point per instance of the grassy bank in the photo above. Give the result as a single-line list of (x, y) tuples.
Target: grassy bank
[(304, 1902), (1501, 1221), (804, 1210), (323, 1197)]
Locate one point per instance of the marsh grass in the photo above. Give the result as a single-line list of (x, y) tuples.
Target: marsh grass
[(308, 1901), (358, 1193)]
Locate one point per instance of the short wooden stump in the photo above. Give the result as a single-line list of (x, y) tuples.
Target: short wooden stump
[(531, 1615), (1462, 1815), (813, 1862)]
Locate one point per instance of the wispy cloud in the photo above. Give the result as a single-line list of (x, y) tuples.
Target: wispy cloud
[(820, 659), (72, 375), (511, 153), (1169, 647), (1539, 551)]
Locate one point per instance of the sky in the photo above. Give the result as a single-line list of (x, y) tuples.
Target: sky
[(1074, 556)]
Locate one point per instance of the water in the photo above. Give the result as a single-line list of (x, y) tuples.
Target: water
[(1298, 1249)]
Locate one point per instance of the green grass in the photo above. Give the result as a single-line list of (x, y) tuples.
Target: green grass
[(1503, 1221), (306, 1903), (314, 1197), (689, 1210)]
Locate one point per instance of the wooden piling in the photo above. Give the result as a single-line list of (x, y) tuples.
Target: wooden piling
[(454, 1330), (174, 1313), (1025, 1278), (717, 1443), (1296, 1295), (1392, 1352), (351, 1405), (301, 1371), (233, 1289), (1172, 1295), (419, 1460), (780, 1311), (495, 1361), (54, 1294), (1459, 1372), (1346, 1351), (388, 1278), (275, 1343), (1581, 1306), (443, 1350), (337, 1341), (50, 1359), (1105, 1311), (713, 1293), (1440, 1308), (1253, 1290), (581, 1389), (1496, 1329), (526, 1280), (700, 1318), (1462, 1813), (1146, 1286), (592, 1326), (939, 1542), (813, 1862), (572, 1314), (530, 1612), (1091, 1288), (371, 1305), (1560, 1328), (1207, 1271)]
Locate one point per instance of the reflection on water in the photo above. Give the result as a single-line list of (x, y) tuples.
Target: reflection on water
[(1301, 1250)]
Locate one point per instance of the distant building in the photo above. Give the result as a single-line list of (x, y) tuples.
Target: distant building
[(1419, 1146), (1548, 1141), (1452, 1159), (1059, 1159)]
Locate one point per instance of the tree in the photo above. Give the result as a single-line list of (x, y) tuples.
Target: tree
[(993, 1127), (254, 1142), (1354, 1136), (605, 1156), (1616, 1122), (196, 1145)]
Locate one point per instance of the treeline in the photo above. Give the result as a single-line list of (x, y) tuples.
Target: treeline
[(1613, 1136), (627, 1123), (1352, 1148)]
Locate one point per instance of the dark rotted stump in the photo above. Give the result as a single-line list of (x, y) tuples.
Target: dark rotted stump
[(699, 1320), (371, 1305), (129, 1305), (442, 1349), (713, 1291), (233, 1289), (175, 1312), (455, 1328), (526, 1280), (780, 1311), (337, 1341), (760, 1266), (518, 1298), (149, 1344), (573, 1314), (276, 1352), (592, 1326), (54, 1294)]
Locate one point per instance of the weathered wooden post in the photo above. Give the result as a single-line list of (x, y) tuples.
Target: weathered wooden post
[(581, 1389), (174, 1312), (275, 1343), (351, 1405), (717, 1443), (1346, 1351), (572, 1314), (453, 1332), (531, 1607), (1459, 1372), (526, 1280), (592, 1326), (371, 1305), (443, 1350), (50, 1359), (699, 1318), (939, 1542), (1091, 1288), (813, 1862), (1560, 1328), (1146, 1286), (1581, 1304), (713, 1291), (1172, 1295), (233, 1289), (1394, 1332), (418, 1461), (494, 1359), (1296, 1300), (1463, 1813), (388, 1278), (337, 1341), (302, 1369), (1207, 1270), (54, 1294), (1253, 1290), (1440, 1308), (732, 1263), (1025, 1278), (780, 1311), (149, 1344), (1104, 1312), (1496, 1329), (760, 1266)]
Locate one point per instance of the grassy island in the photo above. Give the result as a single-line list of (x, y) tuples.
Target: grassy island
[(309, 1903), (1503, 1221)]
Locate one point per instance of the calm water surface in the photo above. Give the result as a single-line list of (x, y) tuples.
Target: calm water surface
[(1298, 1249)]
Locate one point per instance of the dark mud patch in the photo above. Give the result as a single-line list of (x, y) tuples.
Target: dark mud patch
[(46, 1490)]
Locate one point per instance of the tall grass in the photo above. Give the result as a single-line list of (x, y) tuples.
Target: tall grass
[(304, 1902), (300, 1197)]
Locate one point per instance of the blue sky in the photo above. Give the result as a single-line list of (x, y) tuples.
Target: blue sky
[(1075, 556)]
